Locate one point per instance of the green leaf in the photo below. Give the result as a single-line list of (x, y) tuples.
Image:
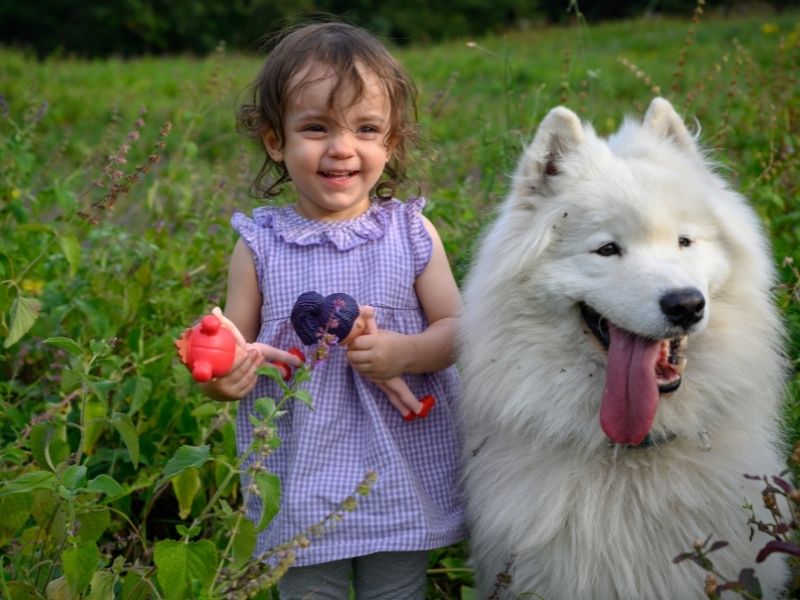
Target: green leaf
[(39, 440), (186, 485), (79, 563), (43, 506), (207, 409), (95, 418), (14, 513), (265, 406), (24, 312), (103, 484), (92, 524), (66, 344), (183, 530), (141, 394), (58, 589), (27, 482), (269, 489), (74, 477), (12, 455), (102, 586), (244, 540), (304, 397), (71, 248), (186, 457), (19, 590), (134, 586), (71, 379), (179, 564), (127, 431)]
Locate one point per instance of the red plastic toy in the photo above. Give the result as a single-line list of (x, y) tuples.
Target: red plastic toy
[(210, 348), (285, 369)]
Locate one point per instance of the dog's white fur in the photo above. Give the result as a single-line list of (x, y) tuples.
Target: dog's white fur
[(550, 501)]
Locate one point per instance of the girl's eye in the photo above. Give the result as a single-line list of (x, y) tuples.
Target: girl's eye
[(368, 129), (314, 128), (609, 249), (684, 242)]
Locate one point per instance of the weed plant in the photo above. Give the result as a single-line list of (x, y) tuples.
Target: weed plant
[(118, 479)]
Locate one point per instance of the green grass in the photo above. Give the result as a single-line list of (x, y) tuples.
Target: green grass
[(122, 286)]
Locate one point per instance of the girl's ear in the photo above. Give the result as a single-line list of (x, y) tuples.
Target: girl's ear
[(273, 146)]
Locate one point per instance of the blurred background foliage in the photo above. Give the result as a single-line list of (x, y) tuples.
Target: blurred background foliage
[(136, 27)]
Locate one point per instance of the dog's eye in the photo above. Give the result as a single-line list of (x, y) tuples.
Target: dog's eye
[(684, 242), (609, 249)]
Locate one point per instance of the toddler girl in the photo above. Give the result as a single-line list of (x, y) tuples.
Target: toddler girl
[(335, 112)]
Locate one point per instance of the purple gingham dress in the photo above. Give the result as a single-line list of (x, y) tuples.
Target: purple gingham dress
[(416, 502)]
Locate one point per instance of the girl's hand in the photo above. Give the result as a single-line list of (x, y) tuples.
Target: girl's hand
[(239, 381), (379, 356), (269, 353)]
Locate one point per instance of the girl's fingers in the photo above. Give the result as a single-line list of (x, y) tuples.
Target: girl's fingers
[(360, 360), (268, 352), (362, 342)]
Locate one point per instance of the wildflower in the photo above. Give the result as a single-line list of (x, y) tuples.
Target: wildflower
[(711, 586), (34, 286), (258, 467), (769, 28), (262, 432), (365, 486), (43, 108)]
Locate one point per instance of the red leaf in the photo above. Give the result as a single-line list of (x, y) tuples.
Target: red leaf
[(783, 484), (778, 546)]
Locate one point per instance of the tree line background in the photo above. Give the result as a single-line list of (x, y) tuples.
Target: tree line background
[(133, 27)]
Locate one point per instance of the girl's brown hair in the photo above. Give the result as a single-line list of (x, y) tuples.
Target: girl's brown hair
[(340, 49)]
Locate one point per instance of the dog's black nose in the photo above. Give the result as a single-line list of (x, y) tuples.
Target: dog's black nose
[(683, 307)]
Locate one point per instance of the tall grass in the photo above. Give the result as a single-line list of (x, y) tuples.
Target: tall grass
[(117, 179)]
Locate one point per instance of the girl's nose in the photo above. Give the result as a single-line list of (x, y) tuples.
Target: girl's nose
[(341, 144)]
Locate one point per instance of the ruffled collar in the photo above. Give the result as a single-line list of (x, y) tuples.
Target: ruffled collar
[(294, 228)]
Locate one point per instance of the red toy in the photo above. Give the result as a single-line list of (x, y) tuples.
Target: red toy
[(286, 370), (210, 348)]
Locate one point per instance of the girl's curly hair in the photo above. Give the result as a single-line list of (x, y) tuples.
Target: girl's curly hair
[(333, 48)]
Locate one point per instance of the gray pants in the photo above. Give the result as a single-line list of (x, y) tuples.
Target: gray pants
[(380, 576)]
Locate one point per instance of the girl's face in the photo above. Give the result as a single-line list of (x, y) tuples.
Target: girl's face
[(334, 157)]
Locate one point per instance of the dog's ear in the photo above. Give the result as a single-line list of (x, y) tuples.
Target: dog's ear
[(559, 134), (662, 120)]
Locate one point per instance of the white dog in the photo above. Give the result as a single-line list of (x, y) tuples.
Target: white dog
[(623, 369)]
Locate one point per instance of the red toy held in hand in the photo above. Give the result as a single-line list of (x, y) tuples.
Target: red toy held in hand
[(210, 348)]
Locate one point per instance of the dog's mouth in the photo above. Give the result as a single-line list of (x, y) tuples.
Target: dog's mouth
[(639, 370)]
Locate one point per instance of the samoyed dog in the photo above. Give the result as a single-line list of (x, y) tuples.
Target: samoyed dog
[(623, 369)]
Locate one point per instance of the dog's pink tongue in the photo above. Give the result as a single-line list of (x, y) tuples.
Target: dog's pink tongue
[(630, 397)]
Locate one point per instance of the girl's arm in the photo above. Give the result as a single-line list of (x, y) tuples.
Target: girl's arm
[(389, 354), (243, 307)]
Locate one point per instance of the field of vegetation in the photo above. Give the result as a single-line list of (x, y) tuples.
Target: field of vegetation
[(118, 479)]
